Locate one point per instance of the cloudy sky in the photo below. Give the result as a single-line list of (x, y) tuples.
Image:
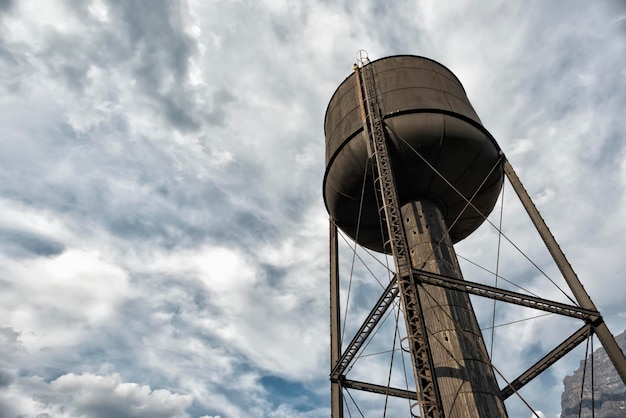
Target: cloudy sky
[(163, 239)]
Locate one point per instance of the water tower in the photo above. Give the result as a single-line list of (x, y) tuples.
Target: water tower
[(410, 170)]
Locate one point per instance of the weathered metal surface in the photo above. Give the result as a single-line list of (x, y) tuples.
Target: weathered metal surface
[(426, 108), (466, 381)]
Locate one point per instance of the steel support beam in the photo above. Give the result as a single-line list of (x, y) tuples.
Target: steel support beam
[(390, 293), (388, 296), (604, 335), (515, 298), (548, 360), (374, 317), (382, 390), (336, 399)]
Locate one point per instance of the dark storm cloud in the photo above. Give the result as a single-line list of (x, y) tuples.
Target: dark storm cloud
[(398, 28), (69, 58), (220, 101), (70, 170), (20, 244), (274, 274), (290, 393), (155, 31), (10, 345), (6, 378), (177, 214), (14, 65), (129, 186), (146, 40), (6, 5)]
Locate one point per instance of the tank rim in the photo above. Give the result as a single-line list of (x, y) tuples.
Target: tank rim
[(403, 112)]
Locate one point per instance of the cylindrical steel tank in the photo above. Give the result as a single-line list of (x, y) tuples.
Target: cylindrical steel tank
[(425, 109)]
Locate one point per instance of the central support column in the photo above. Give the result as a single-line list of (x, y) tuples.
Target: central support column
[(467, 384)]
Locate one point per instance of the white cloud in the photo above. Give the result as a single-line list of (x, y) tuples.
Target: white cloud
[(92, 395)]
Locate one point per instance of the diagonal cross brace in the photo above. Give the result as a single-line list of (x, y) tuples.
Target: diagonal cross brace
[(374, 317), (548, 360)]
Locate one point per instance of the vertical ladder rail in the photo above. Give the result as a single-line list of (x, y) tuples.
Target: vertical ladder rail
[(429, 399)]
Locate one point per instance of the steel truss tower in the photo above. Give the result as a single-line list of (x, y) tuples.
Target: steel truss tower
[(428, 201)]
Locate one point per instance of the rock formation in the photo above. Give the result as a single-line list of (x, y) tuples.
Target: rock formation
[(609, 394)]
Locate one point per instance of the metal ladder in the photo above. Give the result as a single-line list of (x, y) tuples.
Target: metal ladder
[(429, 400)]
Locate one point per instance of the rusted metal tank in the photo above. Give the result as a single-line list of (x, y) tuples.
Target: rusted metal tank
[(425, 111)]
